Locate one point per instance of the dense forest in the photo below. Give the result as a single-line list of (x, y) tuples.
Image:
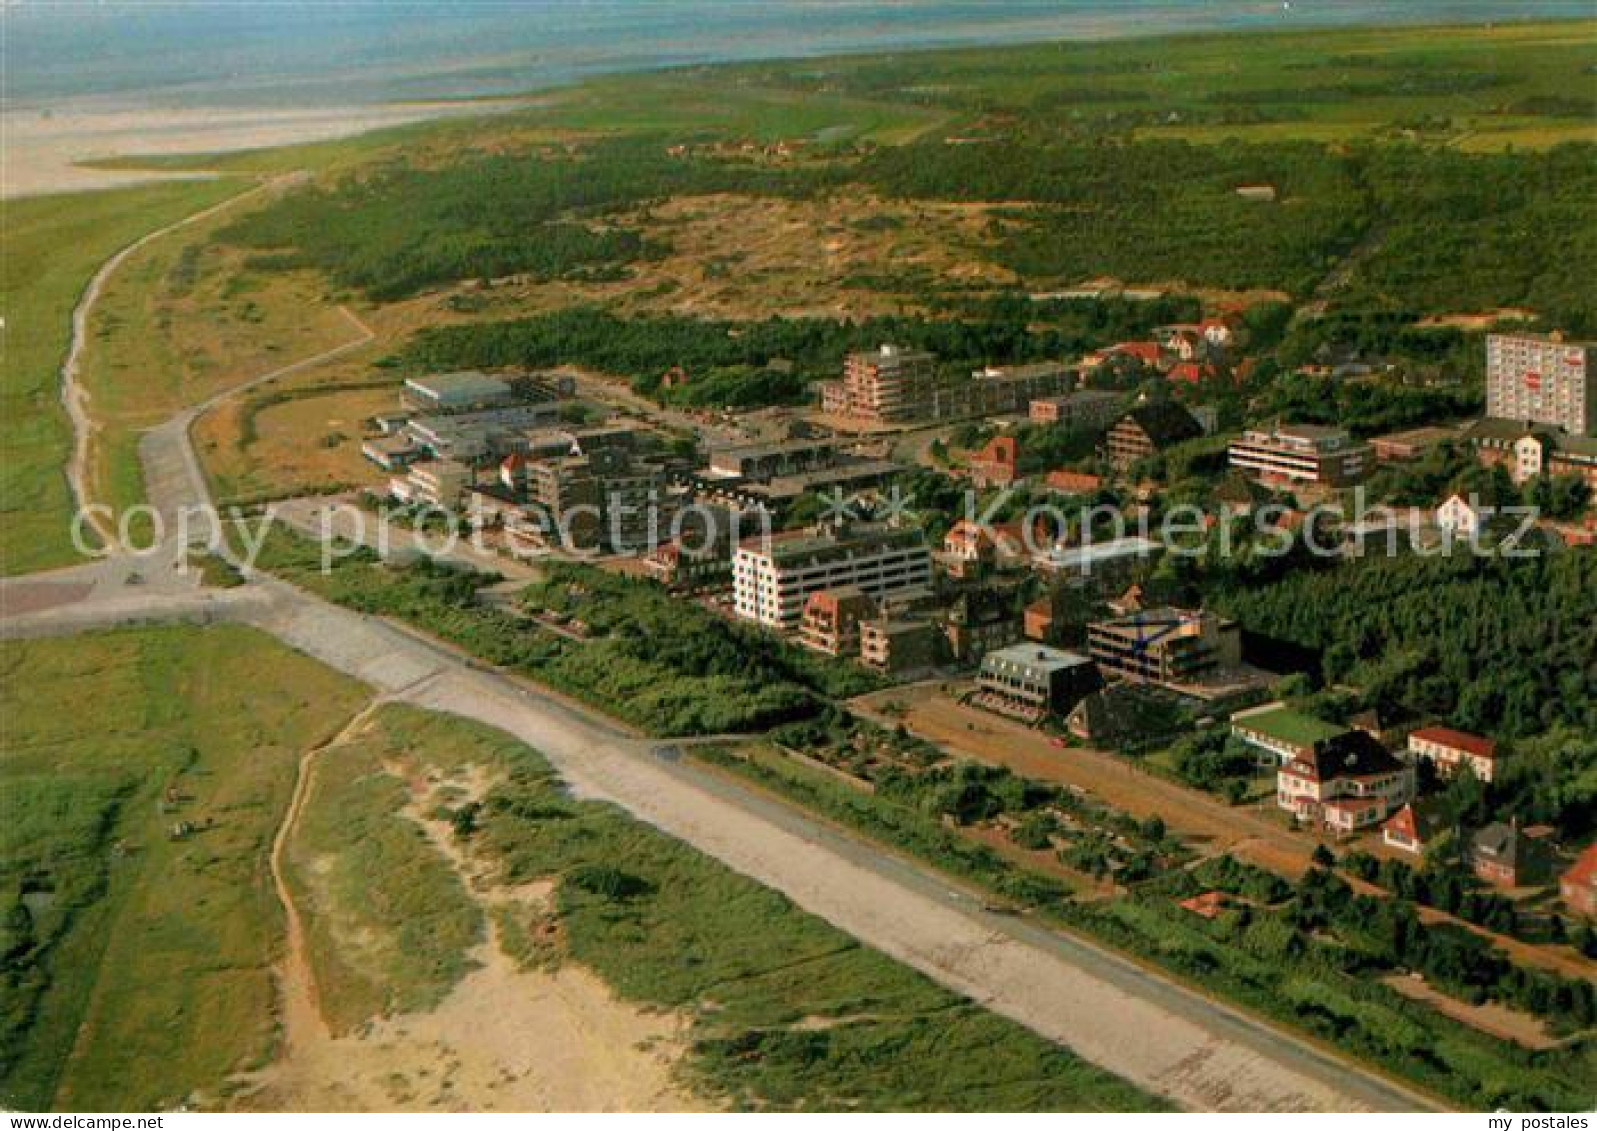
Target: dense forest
[(1492, 645)]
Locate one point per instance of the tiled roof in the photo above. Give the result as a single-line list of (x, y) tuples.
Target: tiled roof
[(1472, 744)]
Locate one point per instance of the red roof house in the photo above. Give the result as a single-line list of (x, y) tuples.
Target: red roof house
[(1578, 886)]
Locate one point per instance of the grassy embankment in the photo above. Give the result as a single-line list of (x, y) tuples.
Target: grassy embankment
[(182, 319), (53, 245), (138, 967)]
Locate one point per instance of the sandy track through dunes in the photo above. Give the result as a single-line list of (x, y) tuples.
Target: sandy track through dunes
[(504, 1039)]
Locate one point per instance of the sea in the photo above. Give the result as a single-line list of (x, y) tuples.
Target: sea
[(310, 53)]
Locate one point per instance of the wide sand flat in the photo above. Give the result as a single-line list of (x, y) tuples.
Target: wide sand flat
[(43, 146)]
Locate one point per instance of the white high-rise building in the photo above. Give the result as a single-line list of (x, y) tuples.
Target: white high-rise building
[(1542, 380)]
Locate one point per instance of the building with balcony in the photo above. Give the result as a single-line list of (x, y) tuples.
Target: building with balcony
[(1147, 430), (1165, 645), (831, 620), (1345, 783), (1086, 410), (1034, 681), (773, 577), (1542, 379), (1301, 454)]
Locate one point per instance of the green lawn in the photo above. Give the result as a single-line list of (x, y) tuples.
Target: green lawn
[(1288, 725), (139, 967), (52, 246)]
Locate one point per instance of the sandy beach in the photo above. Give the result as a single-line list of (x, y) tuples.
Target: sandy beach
[(42, 147)]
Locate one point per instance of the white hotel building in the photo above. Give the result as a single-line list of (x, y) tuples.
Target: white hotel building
[(773, 577), (1301, 453)]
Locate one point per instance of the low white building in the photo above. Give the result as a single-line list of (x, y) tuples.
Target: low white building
[(1450, 750)]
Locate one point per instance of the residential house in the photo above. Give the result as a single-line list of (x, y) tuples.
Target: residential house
[(1346, 783), (831, 620), (1505, 856), (900, 643), (997, 464), (1459, 518), (1578, 886), (1411, 829), (1073, 482), (978, 621)]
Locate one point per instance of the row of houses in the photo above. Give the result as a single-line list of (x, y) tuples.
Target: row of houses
[(1346, 780)]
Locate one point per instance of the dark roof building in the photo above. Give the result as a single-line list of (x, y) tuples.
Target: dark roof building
[(1147, 430)]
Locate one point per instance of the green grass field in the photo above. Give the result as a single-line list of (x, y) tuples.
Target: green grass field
[(138, 967), (52, 246)]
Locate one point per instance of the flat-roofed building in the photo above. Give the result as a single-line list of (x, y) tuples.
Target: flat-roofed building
[(434, 483), (894, 385), (1301, 453), (900, 643), (761, 462), (465, 391), (1405, 447), (1542, 379), (1034, 681), (1165, 645), (888, 385), (391, 453), (1280, 732), (483, 434), (773, 577), (1102, 565)]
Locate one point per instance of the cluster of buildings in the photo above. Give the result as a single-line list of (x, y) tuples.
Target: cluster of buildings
[(1541, 412), (1346, 780), (897, 385)]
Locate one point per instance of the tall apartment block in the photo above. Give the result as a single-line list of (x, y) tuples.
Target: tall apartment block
[(888, 385), (1542, 380), (772, 578)]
